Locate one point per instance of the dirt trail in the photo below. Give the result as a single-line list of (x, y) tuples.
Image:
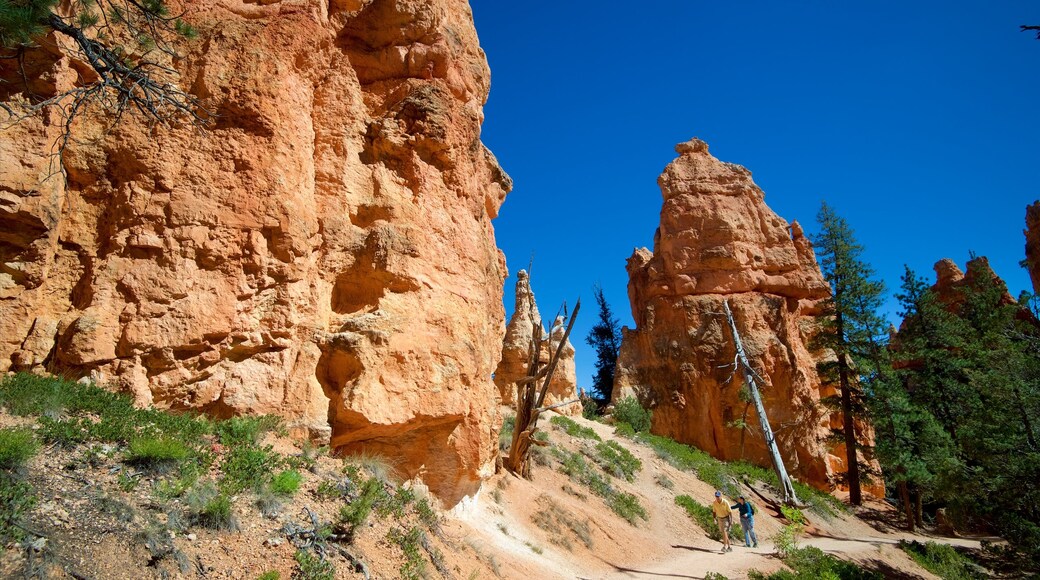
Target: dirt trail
[(668, 544)]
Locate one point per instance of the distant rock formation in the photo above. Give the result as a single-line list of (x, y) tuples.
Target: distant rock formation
[(1032, 233), (516, 351), (950, 280), (719, 241), (323, 252)]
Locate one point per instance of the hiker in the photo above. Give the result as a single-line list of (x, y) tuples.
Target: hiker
[(722, 517), (747, 521)]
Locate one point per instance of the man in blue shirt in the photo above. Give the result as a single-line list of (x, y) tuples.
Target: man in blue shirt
[(747, 521)]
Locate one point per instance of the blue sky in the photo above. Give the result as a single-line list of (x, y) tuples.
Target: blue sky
[(918, 121)]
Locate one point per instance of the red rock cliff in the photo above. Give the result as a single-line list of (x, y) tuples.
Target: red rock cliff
[(719, 241), (324, 252), (1032, 233)]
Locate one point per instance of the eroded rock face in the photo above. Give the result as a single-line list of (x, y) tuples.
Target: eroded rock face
[(323, 252), (1032, 233), (516, 352), (719, 241)]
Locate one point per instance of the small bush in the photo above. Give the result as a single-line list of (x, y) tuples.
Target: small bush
[(590, 409), (942, 560), (156, 453), (664, 481), (573, 429), (410, 542), (628, 410), (17, 447), (311, 567), (811, 563), (623, 504), (210, 507), (353, 515), (427, 515), (624, 430), (16, 500), (248, 467), (270, 575), (617, 461), (505, 435), (286, 482), (715, 576), (245, 430)]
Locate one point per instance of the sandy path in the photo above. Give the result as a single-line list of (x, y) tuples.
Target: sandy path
[(694, 562)]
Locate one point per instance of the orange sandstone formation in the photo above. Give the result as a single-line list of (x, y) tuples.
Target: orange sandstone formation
[(516, 351), (719, 241), (323, 252), (1032, 233)]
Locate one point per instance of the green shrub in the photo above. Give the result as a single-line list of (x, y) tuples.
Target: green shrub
[(617, 461), (156, 453), (16, 500), (17, 447), (505, 435), (270, 575), (211, 508), (715, 576), (590, 409), (286, 482), (703, 517), (248, 467), (573, 429), (811, 563), (245, 430), (628, 410), (623, 504), (410, 542), (353, 515), (624, 430), (311, 567), (942, 560), (427, 515)]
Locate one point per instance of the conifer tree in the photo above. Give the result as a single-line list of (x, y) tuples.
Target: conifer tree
[(605, 338), (851, 329)]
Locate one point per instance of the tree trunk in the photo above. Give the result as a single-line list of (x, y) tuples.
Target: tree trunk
[(844, 380), (787, 487), (918, 510), (906, 505), (530, 396)]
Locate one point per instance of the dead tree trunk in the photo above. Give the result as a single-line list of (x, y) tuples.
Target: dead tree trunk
[(786, 486), (531, 396)]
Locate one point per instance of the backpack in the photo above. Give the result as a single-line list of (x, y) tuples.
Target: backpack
[(752, 506)]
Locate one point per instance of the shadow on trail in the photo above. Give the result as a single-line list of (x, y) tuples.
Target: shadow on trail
[(874, 541), (694, 549), (633, 571), (889, 571)]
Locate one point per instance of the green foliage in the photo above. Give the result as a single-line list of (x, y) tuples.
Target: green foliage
[(852, 329), (17, 446), (623, 504), (286, 482), (721, 475), (625, 430), (573, 429), (16, 500), (617, 461), (793, 515), (156, 452), (245, 430), (22, 21), (505, 435), (410, 542), (270, 575), (605, 338), (589, 408), (703, 517), (427, 515), (248, 467), (628, 410), (311, 567), (210, 507), (715, 576), (354, 514), (811, 563), (942, 560)]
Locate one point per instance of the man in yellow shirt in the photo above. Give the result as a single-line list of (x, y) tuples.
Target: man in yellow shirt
[(723, 515)]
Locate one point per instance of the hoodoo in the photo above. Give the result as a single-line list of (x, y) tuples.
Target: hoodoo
[(719, 241), (323, 252), (516, 351)]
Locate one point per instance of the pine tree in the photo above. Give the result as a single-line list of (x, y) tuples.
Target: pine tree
[(851, 329), (605, 338)]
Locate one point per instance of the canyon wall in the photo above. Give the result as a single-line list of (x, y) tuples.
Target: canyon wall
[(323, 251), (718, 241), (516, 352), (1032, 233)]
